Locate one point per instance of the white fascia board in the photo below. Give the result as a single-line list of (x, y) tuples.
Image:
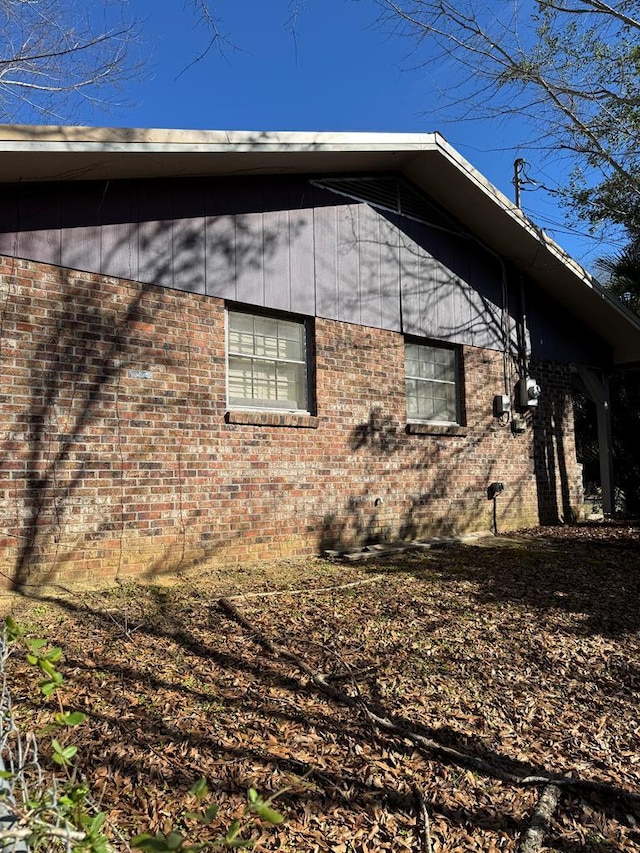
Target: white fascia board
[(43, 138)]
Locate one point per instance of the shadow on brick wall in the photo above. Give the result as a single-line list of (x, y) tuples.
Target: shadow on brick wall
[(66, 428), (446, 487)]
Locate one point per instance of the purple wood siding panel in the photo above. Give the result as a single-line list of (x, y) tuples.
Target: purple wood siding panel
[(483, 294), (155, 252), (8, 226), (119, 250), (411, 274), (188, 206), (220, 256), (276, 244), (451, 288), (282, 244), (348, 269), (43, 246), (189, 254), (80, 248), (80, 228), (155, 236), (39, 220), (557, 335), (390, 317), (220, 243), (370, 267), (249, 258), (303, 285), (325, 253), (277, 259), (119, 241), (249, 245)]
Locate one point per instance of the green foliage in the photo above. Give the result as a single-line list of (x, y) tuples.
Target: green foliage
[(263, 808), (62, 755), (70, 718), (233, 839), (67, 806)]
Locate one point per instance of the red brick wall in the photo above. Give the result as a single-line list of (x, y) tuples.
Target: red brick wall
[(117, 455)]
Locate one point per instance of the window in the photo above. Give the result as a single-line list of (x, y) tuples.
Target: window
[(431, 376), (267, 362)]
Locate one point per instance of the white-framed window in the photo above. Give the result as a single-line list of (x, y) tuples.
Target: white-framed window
[(267, 362), (432, 383)]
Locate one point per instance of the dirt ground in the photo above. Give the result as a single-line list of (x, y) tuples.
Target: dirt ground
[(519, 652)]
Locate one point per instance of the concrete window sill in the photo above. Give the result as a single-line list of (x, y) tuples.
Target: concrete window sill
[(274, 419), (436, 429)]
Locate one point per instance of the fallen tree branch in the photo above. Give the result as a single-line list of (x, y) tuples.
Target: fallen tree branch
[(531, 841), (423, 823), (396, 729)]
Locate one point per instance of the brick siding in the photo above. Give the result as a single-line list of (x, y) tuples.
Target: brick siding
[(118, 455)]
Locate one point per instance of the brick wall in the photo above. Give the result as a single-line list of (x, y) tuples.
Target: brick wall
[(118, 456)]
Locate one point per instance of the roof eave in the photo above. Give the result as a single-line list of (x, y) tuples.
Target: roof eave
[(79, 153)]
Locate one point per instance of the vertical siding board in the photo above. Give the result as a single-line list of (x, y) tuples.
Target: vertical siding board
[(220, 242), (370, 264), (40, 226), (8, 225), (485, 299), (277, 260), (119, 232), (390, 276), (80, 248), (155, 236), (455, 255), (278, 243), (301, 239), (453, 308), (410, 273), (119, 250), (348, 273), (432, 290), (249, 245), (188, 239), (441, 317), (119, 237), (220, 256), (80, 228), (325, 239), (469, 306)]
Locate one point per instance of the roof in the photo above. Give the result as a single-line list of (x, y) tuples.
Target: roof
[(33, 153)]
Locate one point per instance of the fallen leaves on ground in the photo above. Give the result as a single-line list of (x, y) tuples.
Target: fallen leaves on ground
[(523, 652)]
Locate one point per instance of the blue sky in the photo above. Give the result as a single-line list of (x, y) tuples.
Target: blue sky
[(341, 70)]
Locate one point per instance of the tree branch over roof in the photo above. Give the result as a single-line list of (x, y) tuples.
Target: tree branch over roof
[(569, 70)]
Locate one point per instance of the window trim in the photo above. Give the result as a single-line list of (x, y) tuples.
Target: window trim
[(447, 426), (305, 322)]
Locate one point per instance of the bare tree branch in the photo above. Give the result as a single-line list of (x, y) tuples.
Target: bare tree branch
[(57, 54), (566, 69)]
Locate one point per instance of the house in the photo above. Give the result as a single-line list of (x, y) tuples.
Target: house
[(217, 347)]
